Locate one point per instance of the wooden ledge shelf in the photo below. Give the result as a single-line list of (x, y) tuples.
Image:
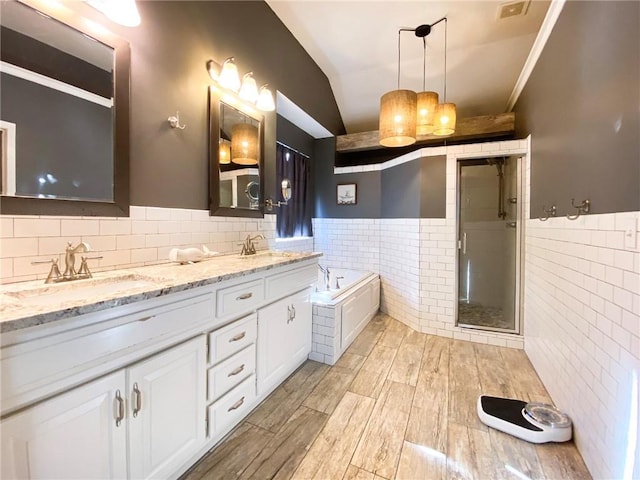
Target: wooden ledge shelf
[(485, 126)]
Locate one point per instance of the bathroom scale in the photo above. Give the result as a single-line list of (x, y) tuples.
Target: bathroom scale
[(533, 422)]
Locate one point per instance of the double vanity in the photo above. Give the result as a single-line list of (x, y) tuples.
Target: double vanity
[(137, 373)]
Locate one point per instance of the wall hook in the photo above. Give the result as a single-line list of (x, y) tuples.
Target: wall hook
[(174, 121), (549, 212), (583, 208)]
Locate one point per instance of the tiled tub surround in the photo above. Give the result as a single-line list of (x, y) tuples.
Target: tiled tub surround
[(144, 238), (155, 281), (582, 331), (337, 322)]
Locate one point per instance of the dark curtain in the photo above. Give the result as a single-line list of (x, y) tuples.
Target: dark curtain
[(294, 219)]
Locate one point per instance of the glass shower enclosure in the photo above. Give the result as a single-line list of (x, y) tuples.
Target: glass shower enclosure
[(489, 213)]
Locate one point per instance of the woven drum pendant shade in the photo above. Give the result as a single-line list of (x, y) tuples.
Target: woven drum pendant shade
[(244, 144), (224, 153), (427, 104), (445, 119), (398, 118)]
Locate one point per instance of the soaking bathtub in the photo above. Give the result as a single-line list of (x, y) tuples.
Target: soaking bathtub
[(340, 314)]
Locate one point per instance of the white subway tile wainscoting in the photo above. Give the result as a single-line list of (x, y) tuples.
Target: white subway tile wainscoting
[(144, 238)]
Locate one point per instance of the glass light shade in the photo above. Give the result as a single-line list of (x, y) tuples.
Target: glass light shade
[(244, 144), (427, 105), (265, 102), (398, 118), (123, 12), (229, 75), (224, 153), (445, 119), (249, 88)]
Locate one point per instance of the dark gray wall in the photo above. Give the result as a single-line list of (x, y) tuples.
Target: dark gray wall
[(368, 189), (401, 191), (169, 168), (294, 137), (433, 191), (61, 135), (581, 107), (415, 189)]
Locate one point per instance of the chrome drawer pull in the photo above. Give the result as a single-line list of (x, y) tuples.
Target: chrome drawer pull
[(120, 401), (138, 403), (236, 405), (245, 296), (236, 371), (239, 336)]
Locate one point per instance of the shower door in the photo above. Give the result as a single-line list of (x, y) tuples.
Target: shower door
[(488, 244)]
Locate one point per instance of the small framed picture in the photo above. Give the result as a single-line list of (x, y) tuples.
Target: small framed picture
[(346, 194)]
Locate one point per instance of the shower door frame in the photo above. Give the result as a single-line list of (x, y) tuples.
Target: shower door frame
[(520, 219)]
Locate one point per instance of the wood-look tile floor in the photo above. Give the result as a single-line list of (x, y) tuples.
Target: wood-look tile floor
[(397, 405)]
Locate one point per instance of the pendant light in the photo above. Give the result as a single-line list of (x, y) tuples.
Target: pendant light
[(445, 122), (427, 101), (398, 115), (224, 152), (244, 144)]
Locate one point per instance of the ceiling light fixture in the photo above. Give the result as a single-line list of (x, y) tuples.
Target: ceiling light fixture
[(226, 75), (398, 114), (446, 112), (123, 12), (405, 114)]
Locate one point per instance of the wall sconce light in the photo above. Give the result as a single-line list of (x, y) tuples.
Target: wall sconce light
[(249, 88), (265, 100), (244, 144), (229, 75), (122, 12), (226, 75)]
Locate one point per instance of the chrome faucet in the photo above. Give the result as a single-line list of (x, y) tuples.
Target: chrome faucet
[(248, 248), (326, 272), (70, 260)]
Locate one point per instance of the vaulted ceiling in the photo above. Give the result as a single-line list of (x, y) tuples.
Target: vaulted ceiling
[(355, 43)]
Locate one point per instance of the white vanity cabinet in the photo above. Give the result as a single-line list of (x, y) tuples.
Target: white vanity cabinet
[(73, 435), (144, 389), (82, 433), (284, 339)]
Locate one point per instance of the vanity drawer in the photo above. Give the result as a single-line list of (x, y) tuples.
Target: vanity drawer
[(231, 408), (239, 299), (291, 281), (226, 375), (231, 339), (36, 369)]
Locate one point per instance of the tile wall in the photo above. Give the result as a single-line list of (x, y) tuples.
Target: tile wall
[(144, 238), (582, 331)]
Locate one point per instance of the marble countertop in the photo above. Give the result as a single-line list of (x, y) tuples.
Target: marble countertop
[(28, 304)]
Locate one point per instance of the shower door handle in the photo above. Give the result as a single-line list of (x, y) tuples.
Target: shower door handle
[(464, 243)]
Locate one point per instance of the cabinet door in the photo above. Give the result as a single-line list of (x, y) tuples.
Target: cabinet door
[(284, 339), (73, 435), (167, 409)]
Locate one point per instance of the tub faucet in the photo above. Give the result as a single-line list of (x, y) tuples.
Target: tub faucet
[(326, 272), (70, 259)]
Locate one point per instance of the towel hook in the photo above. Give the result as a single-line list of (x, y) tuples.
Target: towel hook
[(174, 121), (583, 208), (549, 212)]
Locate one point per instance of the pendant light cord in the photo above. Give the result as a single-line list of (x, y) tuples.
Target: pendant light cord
[(446, 23), (399, 58), (424, 62)]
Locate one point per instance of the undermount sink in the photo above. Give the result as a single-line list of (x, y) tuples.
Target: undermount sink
[(89, 289), (271, 253)]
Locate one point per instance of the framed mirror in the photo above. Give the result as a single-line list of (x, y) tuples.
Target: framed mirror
[(64, 113), (236, 145)]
